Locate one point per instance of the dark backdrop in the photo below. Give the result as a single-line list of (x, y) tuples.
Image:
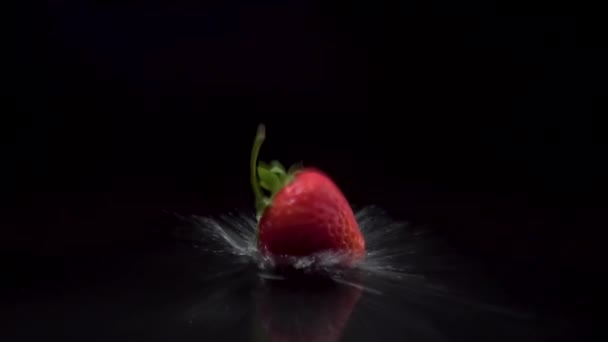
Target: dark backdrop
[(474, 119)]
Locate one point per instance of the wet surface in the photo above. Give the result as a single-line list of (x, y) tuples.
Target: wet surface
[(207, 284)]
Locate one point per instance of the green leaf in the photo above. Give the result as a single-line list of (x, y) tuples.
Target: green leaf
[(261, 205), (269, 180), (295, 168), (276, 167), (266, 186), (279, 170)]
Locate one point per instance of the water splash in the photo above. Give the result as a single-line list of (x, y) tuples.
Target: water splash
[(399, 256), (407, 272), (235, 234), (388, 243)]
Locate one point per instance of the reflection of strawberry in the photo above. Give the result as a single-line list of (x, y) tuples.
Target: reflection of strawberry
[(305, 213), (304, 309)]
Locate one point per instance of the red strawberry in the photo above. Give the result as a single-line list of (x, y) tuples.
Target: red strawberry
[(305, 214)]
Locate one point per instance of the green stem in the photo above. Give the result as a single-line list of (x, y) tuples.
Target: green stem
[(257, 144)]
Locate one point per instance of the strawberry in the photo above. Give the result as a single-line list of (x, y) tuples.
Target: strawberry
[(305, 213)]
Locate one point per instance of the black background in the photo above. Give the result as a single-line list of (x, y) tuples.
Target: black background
[(474, 119)]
